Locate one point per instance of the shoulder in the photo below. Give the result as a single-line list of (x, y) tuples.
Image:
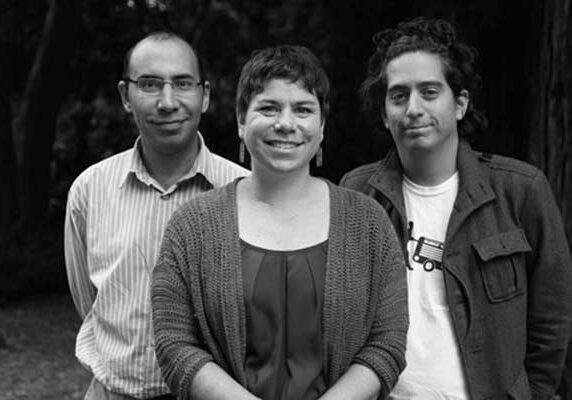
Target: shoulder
[(357, 178), (109, 166), (207, 204), (351, 198), (202, 216), (507, 166), (522, 184), (510, 175), (224, 170), (106, 172), (357, 206)]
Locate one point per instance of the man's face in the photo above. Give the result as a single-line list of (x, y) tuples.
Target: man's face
[(421, 110), (167, 121)]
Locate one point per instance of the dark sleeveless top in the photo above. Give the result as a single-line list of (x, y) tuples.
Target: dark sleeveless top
[(283, 293)]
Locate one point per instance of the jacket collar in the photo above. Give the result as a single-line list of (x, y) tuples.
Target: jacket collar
[(474, 187), (474, 181)]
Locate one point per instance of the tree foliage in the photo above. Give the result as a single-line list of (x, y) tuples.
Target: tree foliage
[(76, 118)]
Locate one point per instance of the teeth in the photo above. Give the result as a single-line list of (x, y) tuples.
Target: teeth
[(283, 145)]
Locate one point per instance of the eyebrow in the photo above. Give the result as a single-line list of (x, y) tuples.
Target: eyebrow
[(401, 86), (178, 76), (301, 102)]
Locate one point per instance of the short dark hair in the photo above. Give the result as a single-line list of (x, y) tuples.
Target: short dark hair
[(433, 36), (293, 63), (160, 36)]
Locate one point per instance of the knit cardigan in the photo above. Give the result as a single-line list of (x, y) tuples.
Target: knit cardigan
[(198, 302)]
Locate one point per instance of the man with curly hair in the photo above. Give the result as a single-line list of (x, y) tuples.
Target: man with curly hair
[(489, 267)]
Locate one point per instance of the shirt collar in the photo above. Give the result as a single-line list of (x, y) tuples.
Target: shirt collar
[(203, 165)]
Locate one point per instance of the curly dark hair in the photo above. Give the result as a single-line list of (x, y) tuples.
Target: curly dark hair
[(433, 36), (293, 63)]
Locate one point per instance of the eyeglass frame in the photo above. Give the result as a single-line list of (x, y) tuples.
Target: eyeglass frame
[(163, 83)]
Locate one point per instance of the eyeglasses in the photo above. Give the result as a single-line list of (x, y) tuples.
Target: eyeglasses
[(153, 85)]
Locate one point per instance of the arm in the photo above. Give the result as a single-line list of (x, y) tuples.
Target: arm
[(186, 363), (376, 367), (384, 352), (358, 383), (75, 249), (213, 383), (549, 289)]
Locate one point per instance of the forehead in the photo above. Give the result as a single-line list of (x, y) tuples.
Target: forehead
[(278, 88), (163, 58), (413, 68)]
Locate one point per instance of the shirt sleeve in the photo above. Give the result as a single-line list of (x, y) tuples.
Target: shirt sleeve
[(550, 289), (75, 249)]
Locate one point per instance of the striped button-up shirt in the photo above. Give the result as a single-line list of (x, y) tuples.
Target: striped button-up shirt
[(115, 217)]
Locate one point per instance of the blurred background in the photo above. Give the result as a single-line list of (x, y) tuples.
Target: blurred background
[(60, 61)]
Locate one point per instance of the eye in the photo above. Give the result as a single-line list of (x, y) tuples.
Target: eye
[(430, 92), (397, 97), (184, 84), (150, 84), (304, 111), (268, 110)]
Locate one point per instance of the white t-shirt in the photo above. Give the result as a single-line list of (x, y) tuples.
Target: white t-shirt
[(434, 366)]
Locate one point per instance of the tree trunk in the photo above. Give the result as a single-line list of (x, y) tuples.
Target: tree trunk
[(550, 114), (8, 171), (550, 100), (43, 96), (8, 168)]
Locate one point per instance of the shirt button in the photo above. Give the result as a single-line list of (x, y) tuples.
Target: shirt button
[(166, 196)]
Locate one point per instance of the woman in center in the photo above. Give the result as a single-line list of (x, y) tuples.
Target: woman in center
[(280, 285)]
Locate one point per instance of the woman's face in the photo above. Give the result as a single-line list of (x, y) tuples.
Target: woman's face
[(282, 128)]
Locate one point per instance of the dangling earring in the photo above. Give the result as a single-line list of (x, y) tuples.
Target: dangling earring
[(241, 152), (319, 157)]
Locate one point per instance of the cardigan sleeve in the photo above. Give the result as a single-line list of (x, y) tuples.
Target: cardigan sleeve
[(384, 351), (178, 346)]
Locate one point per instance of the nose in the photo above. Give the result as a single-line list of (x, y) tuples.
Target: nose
[(285, 122), (167, 100), (414, 106)]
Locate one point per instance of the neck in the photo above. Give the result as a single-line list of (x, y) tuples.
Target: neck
[(279, 189), (168, 168), (430, 168)]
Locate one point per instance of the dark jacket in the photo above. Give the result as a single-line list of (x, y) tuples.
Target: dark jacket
[(507, 270)]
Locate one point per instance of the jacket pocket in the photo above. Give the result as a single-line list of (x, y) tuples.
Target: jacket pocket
[(520, 389), (502, 267)]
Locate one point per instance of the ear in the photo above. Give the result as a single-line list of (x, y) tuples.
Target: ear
[(384, 117), (241, 127), (385, 123), (124, 94), (206, 96), (462, 104)]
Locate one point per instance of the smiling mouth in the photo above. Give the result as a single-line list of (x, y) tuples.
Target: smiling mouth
[(174, 122), (282, 145), (416, 127)]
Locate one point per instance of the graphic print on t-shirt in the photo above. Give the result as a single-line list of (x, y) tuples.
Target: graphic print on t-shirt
[(426, 252)]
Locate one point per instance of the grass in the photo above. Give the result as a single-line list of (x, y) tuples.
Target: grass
[(38, 362)]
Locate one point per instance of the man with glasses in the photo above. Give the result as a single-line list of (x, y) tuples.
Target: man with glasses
[(117, 210)]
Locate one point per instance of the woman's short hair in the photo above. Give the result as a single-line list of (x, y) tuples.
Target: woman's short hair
[(432, 36), (292, 63)]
